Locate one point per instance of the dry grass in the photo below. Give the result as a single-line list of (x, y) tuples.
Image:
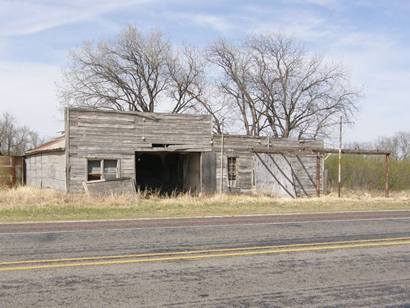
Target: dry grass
[(30, 204)]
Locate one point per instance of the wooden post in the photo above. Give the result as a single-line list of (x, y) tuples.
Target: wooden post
[(386, 176), (318, 175), (221, 184), (339, 177), (23, 175)]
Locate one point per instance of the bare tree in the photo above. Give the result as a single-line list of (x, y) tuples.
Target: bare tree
[(187, 77), (7, 133), (302, 95), (133, 72), (404, 145), (15, 140), (192, 90), (221, 110), (279, 89), (267, 84), (398, 145), (236, 83)]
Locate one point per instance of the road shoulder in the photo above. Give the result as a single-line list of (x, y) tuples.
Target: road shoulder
[(172, 222)]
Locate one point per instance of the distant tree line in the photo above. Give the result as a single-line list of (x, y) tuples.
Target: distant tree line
[(16, 139), (264, 85), (367, 172), (398, 145)]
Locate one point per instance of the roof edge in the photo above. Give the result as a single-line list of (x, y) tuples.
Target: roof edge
[(53, 145), (140, 113), (34, 151)]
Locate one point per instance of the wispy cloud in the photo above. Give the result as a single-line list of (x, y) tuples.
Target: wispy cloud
[(20, 17), (299, 24), (375, 57), (322, 3), (369, 36), (218, 22)]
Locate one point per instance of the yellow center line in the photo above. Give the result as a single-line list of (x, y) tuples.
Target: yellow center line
[(204, 254), (140, 255)]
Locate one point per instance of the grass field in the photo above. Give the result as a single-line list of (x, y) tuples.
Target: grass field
[(29, 204)]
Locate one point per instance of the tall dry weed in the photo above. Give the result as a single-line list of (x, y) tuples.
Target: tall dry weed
[(28, 196)]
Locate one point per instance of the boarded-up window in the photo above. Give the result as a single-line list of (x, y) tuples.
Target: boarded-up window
[(231, 169), (102, 169)]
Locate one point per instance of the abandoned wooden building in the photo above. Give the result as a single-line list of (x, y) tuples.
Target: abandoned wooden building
[(169, 152)]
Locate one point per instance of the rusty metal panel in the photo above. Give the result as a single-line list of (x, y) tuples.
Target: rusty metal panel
[(11, 171)]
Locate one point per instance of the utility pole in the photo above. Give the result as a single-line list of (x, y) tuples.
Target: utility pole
[(339, 178), (221, 184)]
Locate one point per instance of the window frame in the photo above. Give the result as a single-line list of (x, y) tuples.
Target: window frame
[(102, 174), (232, 180)]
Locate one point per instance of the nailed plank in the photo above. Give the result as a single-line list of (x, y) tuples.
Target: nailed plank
[(107, 134)]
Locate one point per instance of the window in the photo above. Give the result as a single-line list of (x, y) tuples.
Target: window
[(110, 169), (102, 169), (231, 169), (94, 170)]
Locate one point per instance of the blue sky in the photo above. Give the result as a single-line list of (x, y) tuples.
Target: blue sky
[(370, 37)]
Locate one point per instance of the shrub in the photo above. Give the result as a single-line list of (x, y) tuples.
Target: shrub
[(367, 172)]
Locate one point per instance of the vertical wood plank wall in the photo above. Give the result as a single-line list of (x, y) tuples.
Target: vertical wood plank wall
[(46, 170), (96, 134), (118, 135), (239, 147)]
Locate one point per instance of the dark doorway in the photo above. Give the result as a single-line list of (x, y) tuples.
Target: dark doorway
[(167, 172)]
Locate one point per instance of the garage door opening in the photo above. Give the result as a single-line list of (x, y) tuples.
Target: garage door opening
[(167, 173)]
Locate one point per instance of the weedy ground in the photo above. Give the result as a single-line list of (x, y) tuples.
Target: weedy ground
[(30, 204)]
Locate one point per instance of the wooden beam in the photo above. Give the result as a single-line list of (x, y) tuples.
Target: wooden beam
[(67, 149), (386, 176), (354, 152), (307, 150)]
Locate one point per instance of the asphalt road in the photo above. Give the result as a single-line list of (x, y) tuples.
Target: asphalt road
[(360, 259)]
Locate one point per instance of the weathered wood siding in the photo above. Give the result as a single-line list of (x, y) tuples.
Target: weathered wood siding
[(191, 166), (46, 170), (303, 166), (107, 188), (273, 175), (118, 135), (239, 147), (208, 168)]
